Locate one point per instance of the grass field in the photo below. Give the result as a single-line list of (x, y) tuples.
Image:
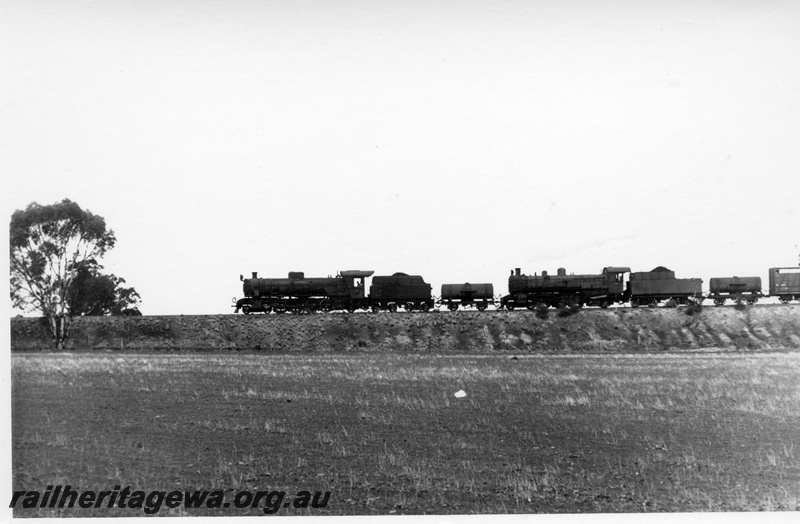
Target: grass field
[(385, 434)]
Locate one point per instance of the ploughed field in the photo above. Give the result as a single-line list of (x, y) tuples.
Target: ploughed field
[(384, 433)]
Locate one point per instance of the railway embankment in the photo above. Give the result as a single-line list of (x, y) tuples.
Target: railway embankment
[(590, 330)]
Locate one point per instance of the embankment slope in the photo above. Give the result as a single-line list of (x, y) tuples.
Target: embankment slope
[(590, 330)]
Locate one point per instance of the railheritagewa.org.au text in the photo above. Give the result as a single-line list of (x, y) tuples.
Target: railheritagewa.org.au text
[(151, 502)]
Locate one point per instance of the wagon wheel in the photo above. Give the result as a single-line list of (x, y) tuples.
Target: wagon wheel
[(246, 310), (784, 300), (719, 301), (325, 305), (751, 301), (393, 308), (452, 307), (481, 306), (375, 309), (410, 307), (605, 303), (424, 307), (510, 306), (267, 310)]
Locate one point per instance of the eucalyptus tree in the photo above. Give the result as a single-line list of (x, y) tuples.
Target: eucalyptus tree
[(48, 246)]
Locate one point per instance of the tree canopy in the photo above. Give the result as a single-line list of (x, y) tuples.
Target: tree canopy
[(49, 246), (97, 294)]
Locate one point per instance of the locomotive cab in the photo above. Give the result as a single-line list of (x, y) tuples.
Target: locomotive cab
[(615, 277), (354, 281)]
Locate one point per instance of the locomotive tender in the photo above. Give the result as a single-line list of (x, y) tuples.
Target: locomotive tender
[(346, 291), (648, 288), (411, 292)]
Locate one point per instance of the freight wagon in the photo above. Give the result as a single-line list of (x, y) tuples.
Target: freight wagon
[(784, 283), (744, 289), (479, 296)]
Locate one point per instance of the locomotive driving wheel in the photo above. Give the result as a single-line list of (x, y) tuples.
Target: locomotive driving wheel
[(246, 310)]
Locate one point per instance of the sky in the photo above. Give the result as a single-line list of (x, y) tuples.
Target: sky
[(454, 140)]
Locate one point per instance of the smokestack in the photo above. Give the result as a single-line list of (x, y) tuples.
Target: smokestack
[(255, 274), (518, 271)]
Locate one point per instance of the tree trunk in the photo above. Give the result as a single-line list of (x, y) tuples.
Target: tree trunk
[(59, 328)]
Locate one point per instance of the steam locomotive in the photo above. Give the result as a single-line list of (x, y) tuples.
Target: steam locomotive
[(346, 291)]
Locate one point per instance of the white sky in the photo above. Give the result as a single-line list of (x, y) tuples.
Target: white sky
[(451, 139)]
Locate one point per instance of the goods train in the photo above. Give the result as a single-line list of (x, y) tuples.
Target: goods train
[(346, 291)]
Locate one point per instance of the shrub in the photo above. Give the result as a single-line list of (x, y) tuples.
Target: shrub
[(565, 311), (542, 311), (692, 309)]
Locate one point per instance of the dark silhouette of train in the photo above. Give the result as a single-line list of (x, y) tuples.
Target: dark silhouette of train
[(347, 291)]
